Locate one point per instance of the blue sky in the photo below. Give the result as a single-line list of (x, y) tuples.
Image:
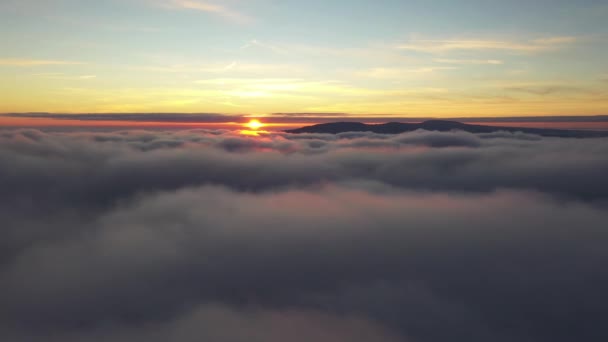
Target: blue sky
[(443, 58)]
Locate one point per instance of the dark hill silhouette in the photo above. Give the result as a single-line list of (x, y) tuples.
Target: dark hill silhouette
[(441, 126)]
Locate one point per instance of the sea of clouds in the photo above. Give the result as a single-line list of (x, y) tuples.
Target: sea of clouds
[(210, 235)]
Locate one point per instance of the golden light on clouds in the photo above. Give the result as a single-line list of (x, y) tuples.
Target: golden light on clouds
[(253, 127)]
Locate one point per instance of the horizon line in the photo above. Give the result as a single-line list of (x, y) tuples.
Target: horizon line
[(287, 117)]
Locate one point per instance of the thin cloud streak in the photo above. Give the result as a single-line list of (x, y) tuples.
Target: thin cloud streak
[(392, 73), (212, 8), (563, 90), (61, 76), (446, 45), (469, 61), (256, 43), (24, 62)]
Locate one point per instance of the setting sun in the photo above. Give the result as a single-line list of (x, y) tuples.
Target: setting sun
[(254, 124)]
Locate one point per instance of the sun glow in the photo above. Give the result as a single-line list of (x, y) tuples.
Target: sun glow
[(254, 124)]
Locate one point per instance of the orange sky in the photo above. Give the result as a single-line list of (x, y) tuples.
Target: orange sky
[(268, 124)]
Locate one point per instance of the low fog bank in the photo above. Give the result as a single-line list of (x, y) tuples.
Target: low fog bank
[(211, 235)]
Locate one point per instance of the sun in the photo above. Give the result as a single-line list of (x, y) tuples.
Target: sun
[(254, 124)]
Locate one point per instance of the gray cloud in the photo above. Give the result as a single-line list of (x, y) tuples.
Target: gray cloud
[(214, 322), (208, 235), (550, 90)]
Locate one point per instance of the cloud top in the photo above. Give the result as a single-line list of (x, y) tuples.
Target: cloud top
[(188, 235)]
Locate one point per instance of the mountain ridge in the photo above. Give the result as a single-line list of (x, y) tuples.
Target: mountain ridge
[(441, 126)]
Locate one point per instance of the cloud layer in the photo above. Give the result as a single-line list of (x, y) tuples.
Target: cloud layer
[(210, 235), (441, 46), (209, 7)]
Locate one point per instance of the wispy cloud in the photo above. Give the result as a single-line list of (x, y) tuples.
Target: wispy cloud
[(551, 89), (20, 62), (439, 46), (233, 67), (256, 43), (309, 90), (389, 73), (62, 76), (130, 28), (190, 68), (469, 61), (285, 87), (209, 7)]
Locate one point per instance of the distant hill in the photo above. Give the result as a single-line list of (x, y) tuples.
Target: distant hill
[(440, 126)]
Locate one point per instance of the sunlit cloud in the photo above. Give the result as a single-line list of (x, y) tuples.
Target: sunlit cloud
[(131, 28), (363, 53), (177, 68), (24, 62), (62, 76), (390, 73), (551, 89), (209, 7), (256, 43), (265, 87), (469, 61), (247, 81), (224, 68), (446, 45)]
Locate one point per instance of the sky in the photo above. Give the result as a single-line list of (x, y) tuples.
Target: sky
[(403, 58)]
